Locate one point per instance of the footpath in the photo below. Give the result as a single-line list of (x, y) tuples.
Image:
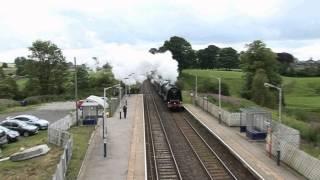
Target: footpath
[(125, 146), (252, 154)]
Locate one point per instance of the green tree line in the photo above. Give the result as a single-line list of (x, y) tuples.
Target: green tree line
[(207, 58), (214, 57), (259, 63), (48, 73)]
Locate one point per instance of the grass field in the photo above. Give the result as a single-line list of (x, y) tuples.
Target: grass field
[(18, 108), (299, 92), (21, 82), (41, 167), (81, 136), (9, 70), (302, 98), (232, 78)]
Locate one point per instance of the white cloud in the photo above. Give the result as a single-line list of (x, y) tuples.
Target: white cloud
[(83, 28)]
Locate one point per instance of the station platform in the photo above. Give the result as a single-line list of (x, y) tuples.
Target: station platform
[(125, 146), (252, 154)]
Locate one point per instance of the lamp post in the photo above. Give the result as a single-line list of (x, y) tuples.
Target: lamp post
[(196, 88), (280, 109), (120, 95), (219, 80), (120, 99)]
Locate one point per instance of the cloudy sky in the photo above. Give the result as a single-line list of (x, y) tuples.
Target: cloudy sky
[(91, 28)]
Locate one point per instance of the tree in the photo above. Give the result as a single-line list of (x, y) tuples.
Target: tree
[(23, 65), (285, 60), (228, 58), (256, 58), (153, 50), (208, 57), (260, 93), (82, 77), (181, 51), (48, 67), (103, 78), (32, 87), (4, 65), (8, 88), (97, 63), (2, 75), (107, 66)]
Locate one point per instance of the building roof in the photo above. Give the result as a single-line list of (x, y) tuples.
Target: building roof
[(99, 100), (86, 104)]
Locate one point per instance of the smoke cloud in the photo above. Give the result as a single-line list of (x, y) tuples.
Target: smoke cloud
[(133, 65)]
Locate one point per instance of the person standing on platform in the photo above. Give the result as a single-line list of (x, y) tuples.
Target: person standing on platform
[(124, 108)]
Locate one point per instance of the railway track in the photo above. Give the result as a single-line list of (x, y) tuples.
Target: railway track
[(210, 161), (239, 170), (193, 153), (161, 159)]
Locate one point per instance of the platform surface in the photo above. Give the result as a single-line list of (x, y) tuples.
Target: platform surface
[(125, 147), (253, 153)]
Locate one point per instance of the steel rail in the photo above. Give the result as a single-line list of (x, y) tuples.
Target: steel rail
[(157, 167), (152, 142), (211, 150)]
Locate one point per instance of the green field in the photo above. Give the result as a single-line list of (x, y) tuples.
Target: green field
[(302, 93), (21, 83), (11, 69), (81, 136), (41, 167), (299, 92), (302, 99)]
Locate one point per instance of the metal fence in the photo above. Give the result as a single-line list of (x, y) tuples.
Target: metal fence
[(58, 135), (231, 119), (65, 158), (289, 139), (287, 134), (114, 102), (297, 159), (64, 123), (256, 118)]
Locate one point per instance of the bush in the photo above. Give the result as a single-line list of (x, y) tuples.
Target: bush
[(8, 88), (179, 84), (4, 65), (5, 103), (213, 87), (46, 98), (32, 87)]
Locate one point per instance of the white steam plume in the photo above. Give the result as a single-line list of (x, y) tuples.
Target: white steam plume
[(133, 65)]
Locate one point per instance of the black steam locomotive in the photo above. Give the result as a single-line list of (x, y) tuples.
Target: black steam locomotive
[(170, 93)]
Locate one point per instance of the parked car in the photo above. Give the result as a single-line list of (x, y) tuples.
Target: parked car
[(32, 120), (12, 135), (20, 126), (3, 138)]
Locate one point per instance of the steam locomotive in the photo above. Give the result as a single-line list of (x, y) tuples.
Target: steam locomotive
[(170, 93)]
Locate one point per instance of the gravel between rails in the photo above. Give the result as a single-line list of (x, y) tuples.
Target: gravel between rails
[(182, 151), (236, 167), (189, 165)]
